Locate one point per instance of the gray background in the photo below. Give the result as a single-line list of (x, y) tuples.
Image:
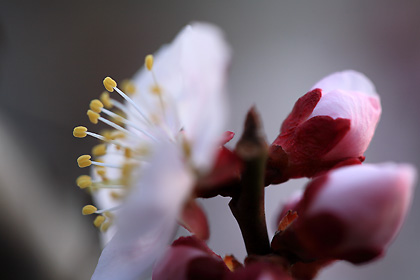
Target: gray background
[(54, 55)]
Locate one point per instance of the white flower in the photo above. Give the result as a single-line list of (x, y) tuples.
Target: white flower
[(173, 123)]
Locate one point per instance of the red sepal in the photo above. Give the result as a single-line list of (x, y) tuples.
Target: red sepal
[(300, 151), (194, 220), (302, 110), (224, 176), (227, 136)]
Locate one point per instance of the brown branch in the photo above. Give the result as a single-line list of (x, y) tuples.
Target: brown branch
[(248, 206)]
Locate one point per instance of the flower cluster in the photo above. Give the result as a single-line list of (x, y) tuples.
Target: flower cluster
[(168, 148)]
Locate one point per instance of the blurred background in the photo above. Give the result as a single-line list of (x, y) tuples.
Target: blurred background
[(55, 54)]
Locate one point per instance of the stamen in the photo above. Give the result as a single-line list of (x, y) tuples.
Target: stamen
[(156, 89), (116, 195), (84, 181), (105, 226), (99, 150), (84, 161), (109, 215), (97, 163), (116, 126), (119, 117), (89, 209), (98, 221), (108, 138), (128, 153), (128, 87), (126, 171), (80, 132), (148, 61), (111, 135), (117, 104), (96, 105), (106, 100), (129, 100), (97, 136), (103, 186), (107, 210), (129, 123), (93, 116), (124, 108), (102, 173), (109, 84)]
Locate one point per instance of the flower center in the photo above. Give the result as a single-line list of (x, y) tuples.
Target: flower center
[(126, 146)]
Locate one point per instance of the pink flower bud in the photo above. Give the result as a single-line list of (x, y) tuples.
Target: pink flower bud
[(332, 124), (352, 213)]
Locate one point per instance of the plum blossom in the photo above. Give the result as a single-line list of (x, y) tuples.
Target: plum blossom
[(167, 148), (332, 124), (173, 128), (352, 213)]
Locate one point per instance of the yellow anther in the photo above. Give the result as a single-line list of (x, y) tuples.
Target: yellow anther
[(155, 89), (128, 153), (106, 100), (186, 148), (93, 189), (127, 168), (89, 209), (128, 87), (101, 172), (119, 119), (96, 105), (99, 150), (142, 151), (109, 84), (84, 161), (116, 195), (126, 171), (105, 226), (115, 134), (84, 181), (98, 221), (79, 132), (148, 61), (93, 116), (106, 134)]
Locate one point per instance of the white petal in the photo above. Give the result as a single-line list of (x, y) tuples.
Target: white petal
[(147, 221), (192, 72), (348, 80), (203, 110)]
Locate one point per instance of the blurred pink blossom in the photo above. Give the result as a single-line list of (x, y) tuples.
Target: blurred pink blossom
[(352, 213)]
